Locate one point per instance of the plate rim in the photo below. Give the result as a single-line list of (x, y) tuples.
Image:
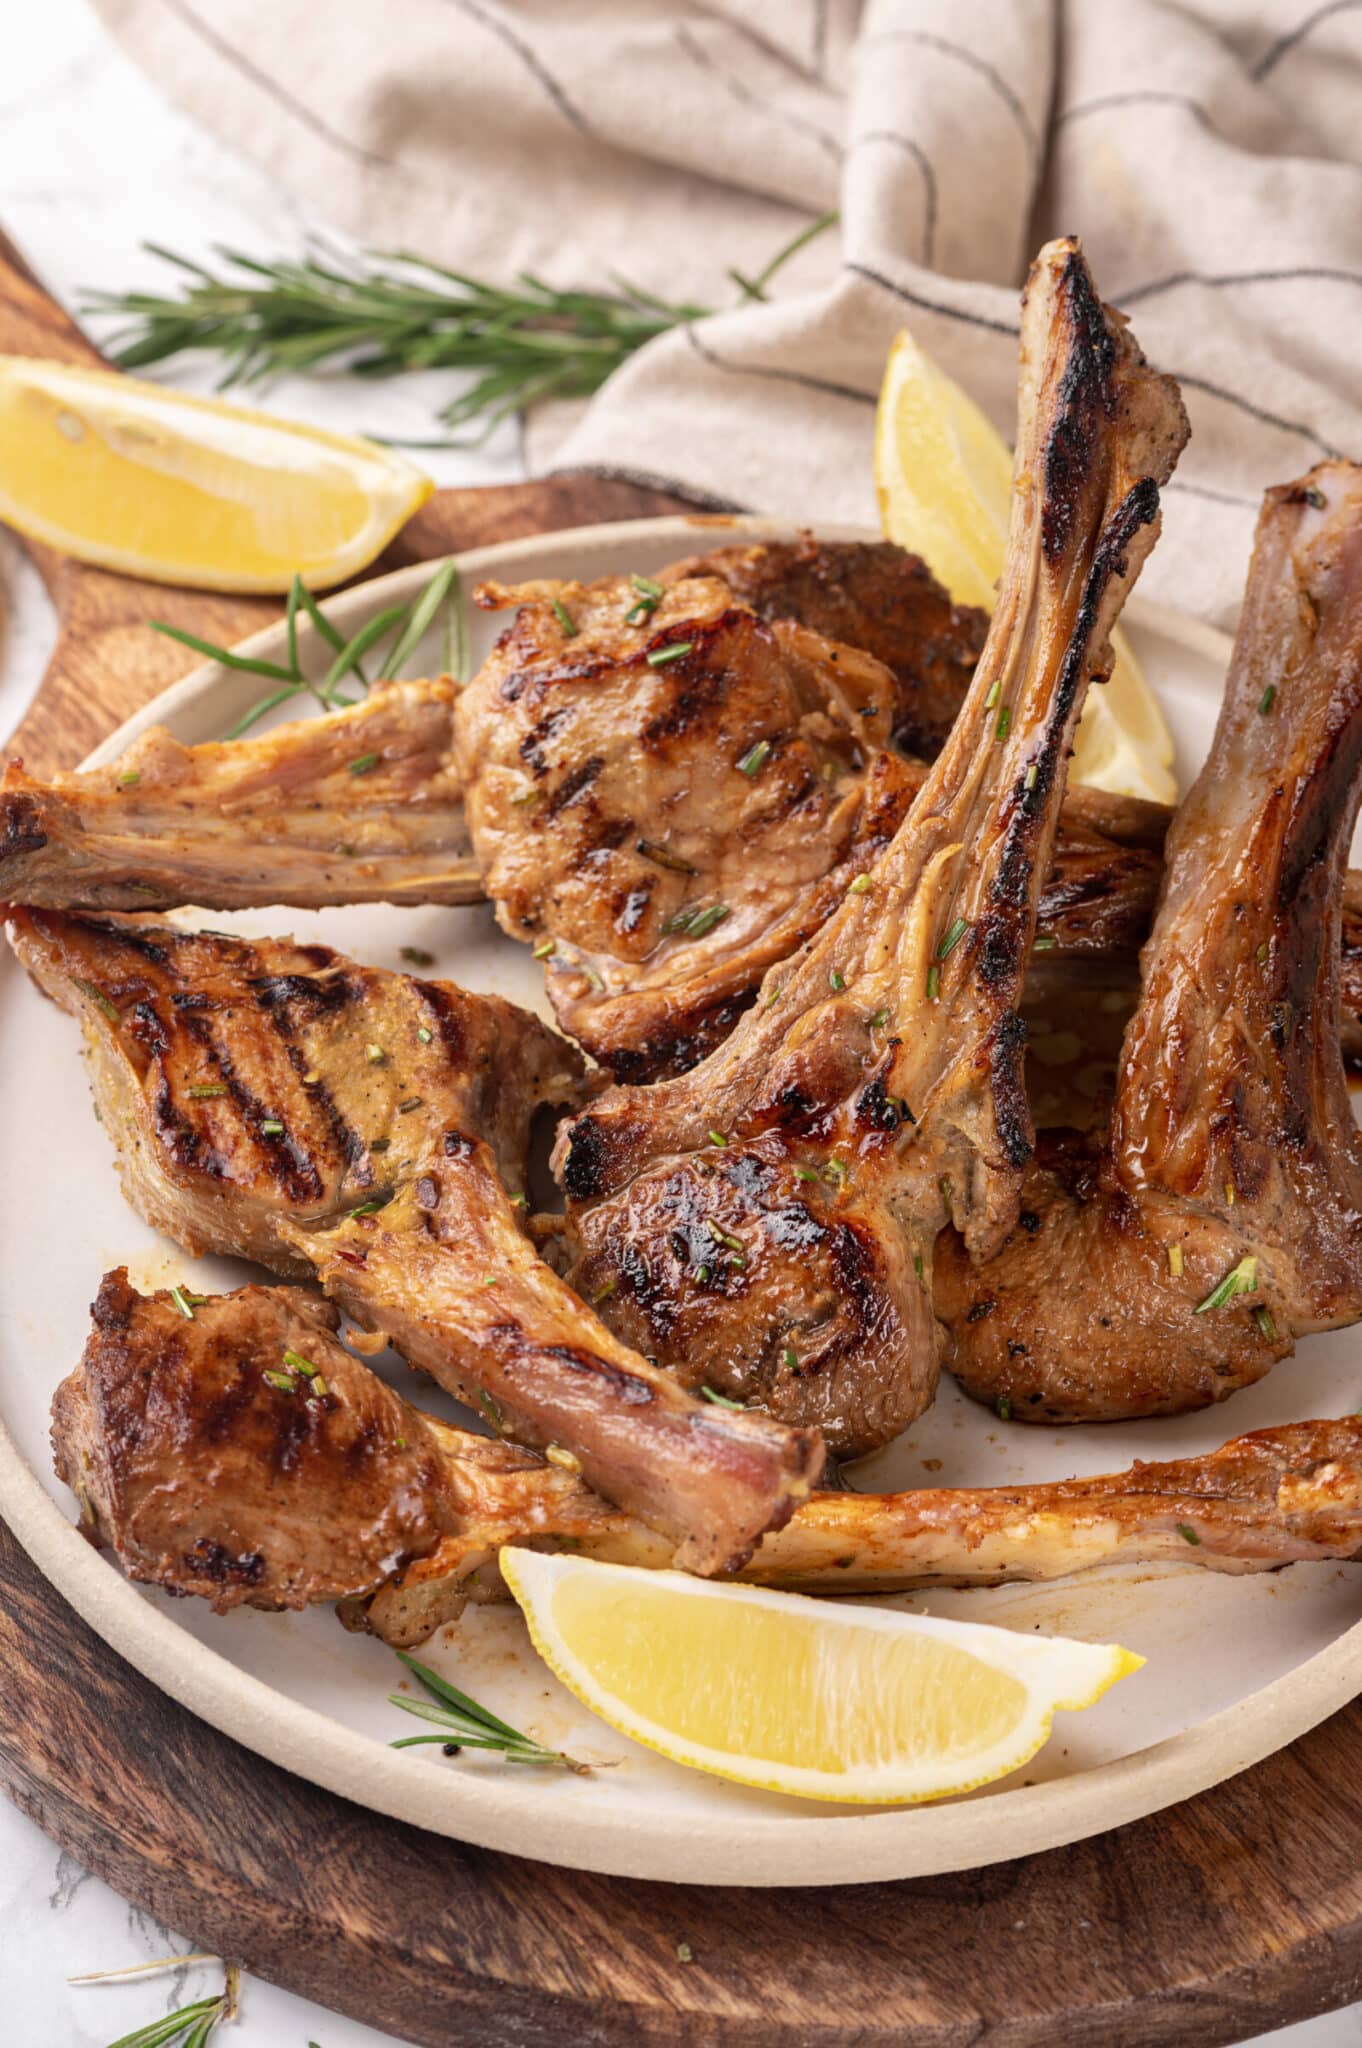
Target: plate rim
[(776, 1850)]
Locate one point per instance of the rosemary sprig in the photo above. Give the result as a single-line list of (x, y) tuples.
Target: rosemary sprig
[(402, 625), (384, 314), (189, 2027), (466, 1725)]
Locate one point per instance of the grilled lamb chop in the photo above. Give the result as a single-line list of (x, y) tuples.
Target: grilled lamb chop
[(361, 806), (202, 1452), (766, 1223), (1222, 1218), (280, 1103)]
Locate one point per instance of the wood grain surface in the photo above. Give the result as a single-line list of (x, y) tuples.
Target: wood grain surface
[(1230, 1914)]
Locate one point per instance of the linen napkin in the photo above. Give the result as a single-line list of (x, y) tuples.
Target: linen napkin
[(1209, 154)]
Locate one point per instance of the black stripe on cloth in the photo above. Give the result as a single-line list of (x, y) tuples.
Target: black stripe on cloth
[(528, 58), (975, 63), (1143, 98), (739, 90), (1317, 272), (920, 158), (650, 480), (1180, 483), (299, 109), (1257, 412), (777, 375), (1288, 42), (758, 41), (926, 305)]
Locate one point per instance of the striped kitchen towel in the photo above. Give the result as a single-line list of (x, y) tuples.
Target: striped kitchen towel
[(1209, 153)]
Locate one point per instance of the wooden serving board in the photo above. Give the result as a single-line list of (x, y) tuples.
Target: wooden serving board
[(1230, 1914)]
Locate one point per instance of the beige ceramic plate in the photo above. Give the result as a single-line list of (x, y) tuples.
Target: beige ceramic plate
[(1236, 1666)]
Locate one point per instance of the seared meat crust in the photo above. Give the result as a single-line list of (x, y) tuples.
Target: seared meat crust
[(871, 595), (192, 1458)]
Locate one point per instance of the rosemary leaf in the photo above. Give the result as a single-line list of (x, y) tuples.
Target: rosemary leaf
[(468, 1725), (369, 634), (443, 584), (248, 664)]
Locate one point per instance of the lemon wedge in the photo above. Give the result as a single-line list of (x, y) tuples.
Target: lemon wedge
[(817, 1698), (155, 483), (943, 475)]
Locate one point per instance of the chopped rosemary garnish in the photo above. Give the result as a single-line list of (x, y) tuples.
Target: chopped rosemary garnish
[(1044, 942), (917, 1264), (726, 1237), (97, 997), (663, 858), (183, 1303), (719, 1400), (933, 983), (466, 1725), (1266, 1326), (875, 1021), (375, 1055), (565, 619), (1004, 722), (805, 1173), (130, 779), (1029, 779), (272, 1128), (208, 1091), (1241, 1279), (1265, 702), (373, 1205), (417, 956), (992, 697), (295, 1362), (568, 1460), (835, 1171), (544, 948), (717, 1138), (660, 657), (1188, 1533), (386, 314), (696, 920), (790, 1357), (646, 587), (1175, 1260), (1004, 1407), (952, 938), (755, 759), (836, 980), (485, 1401), (412, 1102), (424, 1033), (859, 886), (284, 1382), (363, 763)]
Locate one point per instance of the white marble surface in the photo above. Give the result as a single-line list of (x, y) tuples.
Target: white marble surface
[(91, 163)]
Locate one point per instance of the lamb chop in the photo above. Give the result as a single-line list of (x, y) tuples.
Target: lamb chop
[(360, 806), (766, 1223), (1222, 1217), (242, 1453), (279, 1103)]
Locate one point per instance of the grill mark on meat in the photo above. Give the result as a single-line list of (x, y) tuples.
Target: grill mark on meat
[(624, 1386), (208, 1559), (453, 1036), (277, 996), (573, 785), (1085, 391)]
